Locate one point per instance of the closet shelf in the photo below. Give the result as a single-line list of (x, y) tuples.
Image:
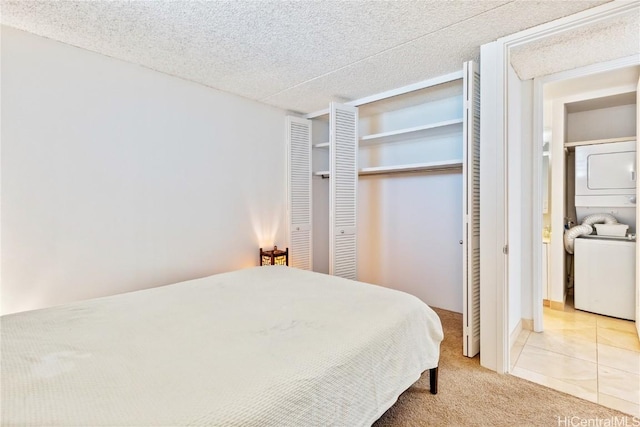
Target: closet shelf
[(396, 135), (599, 141), (321, 145), (414, 167)]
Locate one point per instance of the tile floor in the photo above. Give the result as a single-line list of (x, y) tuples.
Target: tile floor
[(593, 357)]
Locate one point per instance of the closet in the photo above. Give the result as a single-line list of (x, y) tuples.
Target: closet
[(299, 215), (411, 157), (410, 193), (333, 141)]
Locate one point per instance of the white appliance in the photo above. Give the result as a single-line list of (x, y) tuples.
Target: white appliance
[(606, 181), (605, 276), (604, 273)]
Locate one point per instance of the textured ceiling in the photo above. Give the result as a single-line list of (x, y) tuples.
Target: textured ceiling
[(296, 55), (612, 38)]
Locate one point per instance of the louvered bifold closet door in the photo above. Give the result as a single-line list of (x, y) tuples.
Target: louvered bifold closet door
[(344, 184), (299, 192), (471, 210)]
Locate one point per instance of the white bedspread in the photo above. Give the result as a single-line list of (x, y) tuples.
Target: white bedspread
[(267, 346)]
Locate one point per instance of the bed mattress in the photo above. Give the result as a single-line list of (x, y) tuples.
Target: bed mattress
[(266, 346)]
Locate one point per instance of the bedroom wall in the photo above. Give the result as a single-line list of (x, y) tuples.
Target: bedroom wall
[(118, 178)]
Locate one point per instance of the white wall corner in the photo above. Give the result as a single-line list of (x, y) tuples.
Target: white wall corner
[(515, 333)]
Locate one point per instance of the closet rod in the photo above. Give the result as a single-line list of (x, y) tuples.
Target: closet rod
[(416, 167)]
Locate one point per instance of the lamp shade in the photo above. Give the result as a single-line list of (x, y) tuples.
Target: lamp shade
[(274, 257)]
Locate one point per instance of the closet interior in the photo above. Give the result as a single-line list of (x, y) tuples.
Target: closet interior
[(410, 189), (410, 193)]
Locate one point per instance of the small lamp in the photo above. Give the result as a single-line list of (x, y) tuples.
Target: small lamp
[(274, 257)]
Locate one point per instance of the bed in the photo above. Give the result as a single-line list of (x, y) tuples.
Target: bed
[(263, 346)]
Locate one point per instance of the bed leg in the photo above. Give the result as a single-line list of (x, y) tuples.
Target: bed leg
[(433, 380)]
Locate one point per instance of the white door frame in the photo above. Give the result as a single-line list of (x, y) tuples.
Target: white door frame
[(495, 59)]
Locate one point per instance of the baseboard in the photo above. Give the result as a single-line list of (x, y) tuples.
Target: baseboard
[(523, 325), (546, 302), (515, 334), (556, 305)]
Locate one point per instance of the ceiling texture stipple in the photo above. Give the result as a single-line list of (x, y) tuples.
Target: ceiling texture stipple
[(609, 39), (295, 55)]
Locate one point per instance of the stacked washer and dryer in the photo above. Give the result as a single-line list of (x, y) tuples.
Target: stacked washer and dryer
[(604, 244)]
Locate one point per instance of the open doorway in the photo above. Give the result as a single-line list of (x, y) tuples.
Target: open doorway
[(604, 33), (586, 342), (587, 174)]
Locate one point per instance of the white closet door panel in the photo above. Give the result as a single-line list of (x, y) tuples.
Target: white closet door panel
[(300, 246), (345, 256), (471, 210), (344, 183), (344, 231), (299, 192)]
